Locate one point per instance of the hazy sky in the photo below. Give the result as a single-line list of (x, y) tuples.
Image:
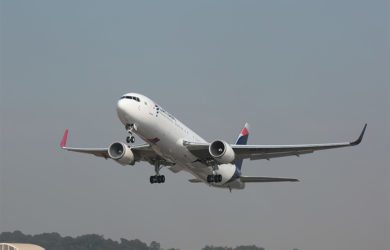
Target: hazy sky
[(297, 71)]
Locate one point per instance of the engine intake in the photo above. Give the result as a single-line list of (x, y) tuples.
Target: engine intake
[(221, 151), (121, 153)]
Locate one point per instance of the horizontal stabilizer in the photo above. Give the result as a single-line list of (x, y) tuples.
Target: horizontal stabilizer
[(194, 180), (265, 179)]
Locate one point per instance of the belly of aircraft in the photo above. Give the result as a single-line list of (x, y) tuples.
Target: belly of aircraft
[(169, 145)]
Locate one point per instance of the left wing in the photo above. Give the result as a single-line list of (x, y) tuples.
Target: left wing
[(257, 152), (141, 152)]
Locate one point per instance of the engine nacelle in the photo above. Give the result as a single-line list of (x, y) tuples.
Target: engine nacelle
[(222, 151), (121, 153)]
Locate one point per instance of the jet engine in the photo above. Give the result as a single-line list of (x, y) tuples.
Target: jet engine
[(222, 151), (121, 153)]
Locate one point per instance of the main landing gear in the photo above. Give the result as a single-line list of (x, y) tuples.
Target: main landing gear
[(157, 178), (214, 178), (129, 129)]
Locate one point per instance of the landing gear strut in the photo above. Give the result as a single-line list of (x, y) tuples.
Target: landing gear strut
[(157, 178), (129, 129)]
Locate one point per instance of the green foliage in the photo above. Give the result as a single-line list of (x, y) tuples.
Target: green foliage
[(216, 248), (154, 246), (54, 241)]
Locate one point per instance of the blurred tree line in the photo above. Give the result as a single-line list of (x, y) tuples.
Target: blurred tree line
[(253, 247), (54, 241)]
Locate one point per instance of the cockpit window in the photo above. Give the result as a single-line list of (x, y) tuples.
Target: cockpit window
[(130, 97)]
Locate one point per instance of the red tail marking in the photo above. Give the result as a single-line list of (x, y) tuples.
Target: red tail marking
[(244, 131), (63, 144)]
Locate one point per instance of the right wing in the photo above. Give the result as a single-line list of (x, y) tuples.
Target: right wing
[(265, 179), (257, 152), (141, 152)]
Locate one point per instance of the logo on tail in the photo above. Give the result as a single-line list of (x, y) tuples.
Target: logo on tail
[(242, 140)]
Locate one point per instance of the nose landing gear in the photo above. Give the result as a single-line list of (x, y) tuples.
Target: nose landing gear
[(130, 139), (129, 129)]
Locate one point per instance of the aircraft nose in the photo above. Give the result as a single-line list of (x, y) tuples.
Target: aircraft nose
[(121, 105), (121, 109)]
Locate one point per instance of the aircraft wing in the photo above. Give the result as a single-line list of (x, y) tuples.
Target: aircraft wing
[(141, 152), (257, 152)]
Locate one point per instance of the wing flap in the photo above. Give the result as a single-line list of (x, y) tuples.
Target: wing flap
[(278, 154)]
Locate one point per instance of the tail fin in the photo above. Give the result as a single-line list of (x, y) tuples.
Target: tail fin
[(242, 140)]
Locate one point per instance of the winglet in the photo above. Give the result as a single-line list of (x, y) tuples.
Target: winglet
[(359, 140), (63, 142)]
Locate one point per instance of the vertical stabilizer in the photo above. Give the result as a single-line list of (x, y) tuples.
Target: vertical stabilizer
[(242, 140)]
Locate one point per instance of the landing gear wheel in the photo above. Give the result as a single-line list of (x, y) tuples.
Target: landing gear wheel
[(130, 139), (157, 179), (214, 178), (161, 179)]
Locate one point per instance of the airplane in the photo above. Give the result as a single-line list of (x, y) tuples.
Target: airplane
[(169, 143)]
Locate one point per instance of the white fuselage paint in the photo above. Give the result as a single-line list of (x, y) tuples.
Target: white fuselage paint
[(151, 122)]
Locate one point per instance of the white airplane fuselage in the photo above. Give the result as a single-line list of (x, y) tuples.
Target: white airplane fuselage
[(166, 134)]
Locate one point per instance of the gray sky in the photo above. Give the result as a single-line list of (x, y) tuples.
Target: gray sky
[(297, 71)]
